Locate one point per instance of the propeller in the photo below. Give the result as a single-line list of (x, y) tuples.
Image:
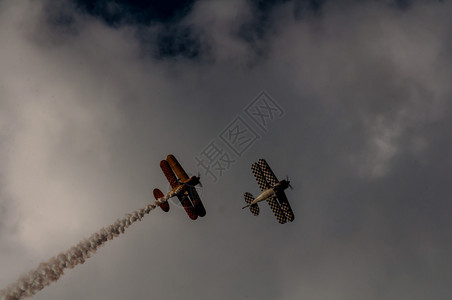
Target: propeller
[(288, 182), (199, 176)]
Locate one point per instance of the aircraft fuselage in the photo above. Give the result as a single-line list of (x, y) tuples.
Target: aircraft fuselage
[(271, 192), (267, 194), (190, 182)]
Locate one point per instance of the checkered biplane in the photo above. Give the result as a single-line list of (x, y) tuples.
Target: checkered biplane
[(272, 191), (179, 180)]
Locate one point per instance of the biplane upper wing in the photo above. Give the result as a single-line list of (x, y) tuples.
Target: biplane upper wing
[(263, 184), (272, 180), (177, 168), (184, 200)]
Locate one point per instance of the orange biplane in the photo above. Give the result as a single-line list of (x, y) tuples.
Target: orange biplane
[(187, 195)]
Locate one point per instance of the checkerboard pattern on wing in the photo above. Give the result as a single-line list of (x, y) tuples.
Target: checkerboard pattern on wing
[(263, 185), (277, 211), (285, 206), (267, 172)]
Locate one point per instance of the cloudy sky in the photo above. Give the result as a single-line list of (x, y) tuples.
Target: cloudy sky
[(93, 94)]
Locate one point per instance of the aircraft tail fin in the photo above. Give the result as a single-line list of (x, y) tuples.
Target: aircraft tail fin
[(158, 194), (254, 208)]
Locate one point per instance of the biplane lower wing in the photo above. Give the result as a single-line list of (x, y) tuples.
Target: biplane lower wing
[(196, 200), (257, 172), (169, 174), (277, 211), (285, 206), (189, 209)]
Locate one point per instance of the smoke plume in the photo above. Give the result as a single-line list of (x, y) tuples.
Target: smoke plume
[(51, 270)]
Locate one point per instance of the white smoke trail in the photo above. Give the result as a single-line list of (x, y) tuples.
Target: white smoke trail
[(50, 271)]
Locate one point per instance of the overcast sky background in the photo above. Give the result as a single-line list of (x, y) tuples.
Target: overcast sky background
[(93, 96)]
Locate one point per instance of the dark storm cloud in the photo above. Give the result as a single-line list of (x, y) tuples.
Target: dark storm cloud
[(116, 13), (365, 140), (173, 38), (176, 41)]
